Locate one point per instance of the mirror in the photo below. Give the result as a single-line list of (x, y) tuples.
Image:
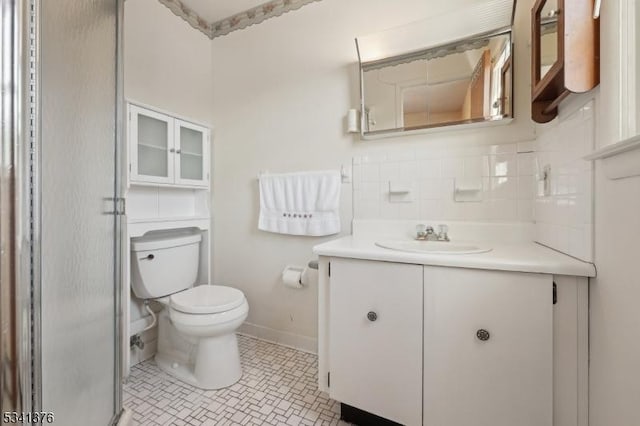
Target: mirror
[(548, 36), (469, 81)]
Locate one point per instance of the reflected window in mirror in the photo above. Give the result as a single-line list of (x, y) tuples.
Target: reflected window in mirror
[(465, 82)]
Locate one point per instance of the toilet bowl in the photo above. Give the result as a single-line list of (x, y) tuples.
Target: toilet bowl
[(197, 342)]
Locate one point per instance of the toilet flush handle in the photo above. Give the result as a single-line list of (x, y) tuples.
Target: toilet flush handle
[(149, 257)]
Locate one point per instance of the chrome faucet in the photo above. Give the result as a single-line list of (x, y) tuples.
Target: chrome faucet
[(426, 233)]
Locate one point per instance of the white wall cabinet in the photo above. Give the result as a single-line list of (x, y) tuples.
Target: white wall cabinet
[(165, 150), (453, 346), (376, 338)]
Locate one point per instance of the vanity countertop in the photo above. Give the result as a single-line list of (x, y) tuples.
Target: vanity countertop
[(519, 257)]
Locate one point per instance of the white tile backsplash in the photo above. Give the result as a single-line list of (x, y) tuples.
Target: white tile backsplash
[(370, 172), (564, 218), (429, 168), (476, 166), (528, 146), (510, 187), (504, 165), (507, 192)]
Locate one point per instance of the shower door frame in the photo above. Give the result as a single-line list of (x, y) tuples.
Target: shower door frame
[(20, 215), (18, 266)]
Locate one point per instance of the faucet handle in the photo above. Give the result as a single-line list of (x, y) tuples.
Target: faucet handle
[(443, 230), (421, 231)]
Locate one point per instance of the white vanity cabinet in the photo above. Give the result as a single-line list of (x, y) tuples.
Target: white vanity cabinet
[(488, 356), (376, 338), (165, 150), (451, 346)]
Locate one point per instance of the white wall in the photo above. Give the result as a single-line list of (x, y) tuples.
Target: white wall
[(167, 64), (615, 293), (281, 93)]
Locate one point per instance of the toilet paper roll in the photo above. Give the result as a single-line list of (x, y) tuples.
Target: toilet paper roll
[(291, 277)]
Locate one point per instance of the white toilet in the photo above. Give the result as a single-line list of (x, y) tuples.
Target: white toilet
[(197, 341)]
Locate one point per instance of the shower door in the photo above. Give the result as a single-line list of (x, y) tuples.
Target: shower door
[(79, 232), (59, 195)]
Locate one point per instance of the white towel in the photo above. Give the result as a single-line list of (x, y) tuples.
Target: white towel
[(305, 203)]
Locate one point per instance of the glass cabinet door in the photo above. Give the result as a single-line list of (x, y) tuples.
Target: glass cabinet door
[(192, 154), (151, 143)]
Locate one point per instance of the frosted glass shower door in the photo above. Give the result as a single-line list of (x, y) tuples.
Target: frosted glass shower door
[(80, 379)]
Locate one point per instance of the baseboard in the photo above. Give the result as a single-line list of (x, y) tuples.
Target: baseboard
[(295, 341)]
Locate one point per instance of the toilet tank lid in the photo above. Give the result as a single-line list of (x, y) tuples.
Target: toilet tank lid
[(163, 241)]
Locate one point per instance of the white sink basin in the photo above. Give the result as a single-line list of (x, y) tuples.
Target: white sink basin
[(432, 247)]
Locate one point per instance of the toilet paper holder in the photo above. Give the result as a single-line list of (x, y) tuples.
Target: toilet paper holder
[(294, 276)]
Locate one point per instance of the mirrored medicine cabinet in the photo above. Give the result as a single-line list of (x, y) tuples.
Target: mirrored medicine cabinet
[(448, 71)]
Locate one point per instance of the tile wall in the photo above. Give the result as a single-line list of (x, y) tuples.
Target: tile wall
[(564, 217), (505, 173)]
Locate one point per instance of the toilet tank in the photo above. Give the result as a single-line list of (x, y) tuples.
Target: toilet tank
[(164, 264)]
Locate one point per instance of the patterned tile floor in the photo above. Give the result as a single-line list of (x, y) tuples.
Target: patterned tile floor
[(278, 387)]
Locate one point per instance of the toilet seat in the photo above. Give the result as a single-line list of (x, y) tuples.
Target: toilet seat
[(206, 299), (204, 321)]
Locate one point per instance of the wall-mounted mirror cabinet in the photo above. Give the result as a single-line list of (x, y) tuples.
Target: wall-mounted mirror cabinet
[(461, 83), (565, 53), (455, 69)]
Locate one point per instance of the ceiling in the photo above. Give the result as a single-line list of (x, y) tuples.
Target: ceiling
[(216, 10), (445, 97)]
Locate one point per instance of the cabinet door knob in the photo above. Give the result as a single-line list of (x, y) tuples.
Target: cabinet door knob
[(483, 335), (372, 316), (172, 150)]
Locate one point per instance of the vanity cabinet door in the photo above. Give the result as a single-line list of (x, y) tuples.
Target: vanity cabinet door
[(376, 338), (487, 348)]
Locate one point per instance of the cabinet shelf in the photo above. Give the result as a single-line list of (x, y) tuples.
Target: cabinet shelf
[(147, 145), (168, 219)]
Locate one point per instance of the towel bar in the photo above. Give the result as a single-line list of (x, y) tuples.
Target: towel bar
[(345, 174)]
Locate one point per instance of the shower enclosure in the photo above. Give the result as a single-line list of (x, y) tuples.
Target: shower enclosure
[(60, 189)]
